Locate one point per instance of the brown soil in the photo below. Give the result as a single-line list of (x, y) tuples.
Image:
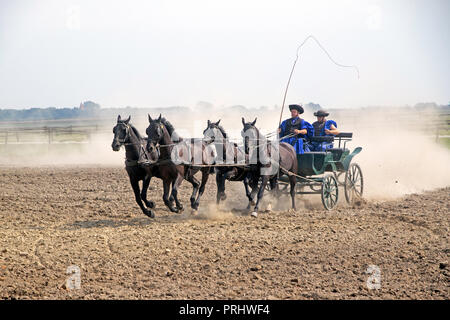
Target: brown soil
[(52, 218)]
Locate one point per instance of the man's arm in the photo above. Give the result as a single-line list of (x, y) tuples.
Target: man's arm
[(333, 130), (282, 128)]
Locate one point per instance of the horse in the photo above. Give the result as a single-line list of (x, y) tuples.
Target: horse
[(127, 135), (178, 160), (233, 160), (262, 156)]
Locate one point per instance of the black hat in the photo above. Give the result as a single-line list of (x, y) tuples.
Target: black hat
[(297, 107), (321, 113)]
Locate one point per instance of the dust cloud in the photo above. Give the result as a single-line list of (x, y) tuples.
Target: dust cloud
[(399, 156)]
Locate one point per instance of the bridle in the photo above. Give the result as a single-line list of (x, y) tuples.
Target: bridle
[(123, 141), (247, 147), (156, 142)]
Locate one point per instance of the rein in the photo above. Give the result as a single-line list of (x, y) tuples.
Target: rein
[(140, 150)]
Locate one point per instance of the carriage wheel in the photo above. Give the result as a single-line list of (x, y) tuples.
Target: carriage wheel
[(329, 191), (354, 183)]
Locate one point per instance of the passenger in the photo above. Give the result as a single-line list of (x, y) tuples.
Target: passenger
[(323, 128), (297, 126)]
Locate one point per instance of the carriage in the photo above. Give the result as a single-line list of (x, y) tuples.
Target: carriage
[(324, 172)]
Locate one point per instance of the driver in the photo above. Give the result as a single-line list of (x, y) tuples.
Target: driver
[(298, 127)]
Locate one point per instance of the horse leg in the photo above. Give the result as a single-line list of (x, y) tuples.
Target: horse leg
[(293, 182), (273, 190), (166, 186), (220, 181), (145, 184), (135, 185), (195, 185), (205, 175), (254, 186), (175, 186), (265, 179), (250, 194)]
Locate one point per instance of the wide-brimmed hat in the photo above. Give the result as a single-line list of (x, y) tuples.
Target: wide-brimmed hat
[(321, 113), (297, 107)]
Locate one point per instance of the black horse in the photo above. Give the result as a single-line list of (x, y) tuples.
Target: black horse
[(178, 159), (230, 162), (127, 135), (268, 161)]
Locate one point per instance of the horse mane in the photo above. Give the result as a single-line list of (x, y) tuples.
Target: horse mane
[(223, 131), (136, 132), (170, 128)]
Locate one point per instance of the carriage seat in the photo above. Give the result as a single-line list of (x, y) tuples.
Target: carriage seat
[(308, 162), (322, 139), (316, 152), (337, 153)]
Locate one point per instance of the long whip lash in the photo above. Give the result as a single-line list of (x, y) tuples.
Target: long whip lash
[(295, 62)]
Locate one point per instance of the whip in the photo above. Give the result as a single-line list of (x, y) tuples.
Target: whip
[(295, 62)]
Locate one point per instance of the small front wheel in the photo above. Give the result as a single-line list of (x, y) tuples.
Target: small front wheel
[(329, 191)]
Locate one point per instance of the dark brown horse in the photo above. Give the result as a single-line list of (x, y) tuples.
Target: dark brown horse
[(127, 135), (230, 162), (178, 159), (268, 160)]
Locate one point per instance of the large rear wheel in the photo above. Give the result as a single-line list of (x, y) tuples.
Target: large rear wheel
[(330, 191), (354, 183)]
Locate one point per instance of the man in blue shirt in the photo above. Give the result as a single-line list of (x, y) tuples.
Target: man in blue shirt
[(322, 128), (298, 128)]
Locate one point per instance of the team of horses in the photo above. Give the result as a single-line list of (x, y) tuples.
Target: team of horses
[(165, 155)]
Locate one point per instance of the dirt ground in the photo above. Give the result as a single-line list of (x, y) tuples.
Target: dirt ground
[(54, 218)]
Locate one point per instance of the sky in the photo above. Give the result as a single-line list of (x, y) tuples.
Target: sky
[(234, 52)]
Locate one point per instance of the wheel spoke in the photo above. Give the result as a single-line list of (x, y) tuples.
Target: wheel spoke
[(356, 176), (333, 202)]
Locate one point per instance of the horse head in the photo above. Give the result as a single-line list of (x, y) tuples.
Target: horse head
[(155, 135), (250, 134), (121, 133), (214, 132)]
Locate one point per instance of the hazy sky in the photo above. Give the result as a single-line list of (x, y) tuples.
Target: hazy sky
[(165, 53)]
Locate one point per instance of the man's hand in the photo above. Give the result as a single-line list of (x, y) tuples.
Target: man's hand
[(296, 131)]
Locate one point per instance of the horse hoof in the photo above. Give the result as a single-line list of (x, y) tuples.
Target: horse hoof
[(151, 204), (149, 214), (194, 212), (269, 207), (253, 203), (254, 214)]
